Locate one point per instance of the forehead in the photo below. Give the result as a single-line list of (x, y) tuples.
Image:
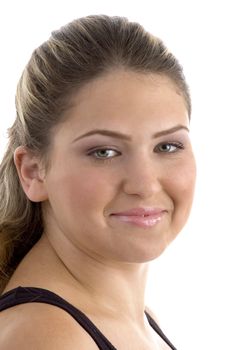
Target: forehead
[(123, 84), (124, 98)]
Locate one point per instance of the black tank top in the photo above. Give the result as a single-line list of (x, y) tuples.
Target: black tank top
[(22, 295)]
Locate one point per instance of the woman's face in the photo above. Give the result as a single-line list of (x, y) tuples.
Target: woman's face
[(124, 145)]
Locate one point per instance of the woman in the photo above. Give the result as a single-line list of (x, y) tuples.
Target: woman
[(97, 180)]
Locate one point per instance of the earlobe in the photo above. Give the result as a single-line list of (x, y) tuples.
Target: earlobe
[(29, 171)]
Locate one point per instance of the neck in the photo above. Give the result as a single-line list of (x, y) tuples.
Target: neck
[(115, 288)]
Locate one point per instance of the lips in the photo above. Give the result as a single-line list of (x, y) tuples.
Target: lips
[(140, 212), (143, 217)]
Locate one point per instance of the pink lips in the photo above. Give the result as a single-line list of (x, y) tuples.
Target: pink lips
[(143, 217)]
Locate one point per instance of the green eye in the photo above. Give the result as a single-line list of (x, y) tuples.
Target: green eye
[(169, 147), (104, 153)]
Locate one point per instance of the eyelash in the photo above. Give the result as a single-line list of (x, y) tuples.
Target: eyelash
[(179, 146)]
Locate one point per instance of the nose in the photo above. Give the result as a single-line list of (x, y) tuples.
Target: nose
[(142, 178)]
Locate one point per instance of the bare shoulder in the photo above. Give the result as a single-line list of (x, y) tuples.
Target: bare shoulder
[(41, 326)]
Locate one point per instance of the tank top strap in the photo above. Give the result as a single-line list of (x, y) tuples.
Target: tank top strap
[(22, 295), (157, 329)]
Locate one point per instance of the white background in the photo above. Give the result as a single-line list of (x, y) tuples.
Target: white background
[(190, 286)]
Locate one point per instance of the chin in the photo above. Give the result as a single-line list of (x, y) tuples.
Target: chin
[(143, 256)]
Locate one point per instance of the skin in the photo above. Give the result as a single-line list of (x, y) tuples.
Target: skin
[(79, 191)]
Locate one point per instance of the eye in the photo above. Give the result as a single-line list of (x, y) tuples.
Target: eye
[(103, 153), (169, 147)]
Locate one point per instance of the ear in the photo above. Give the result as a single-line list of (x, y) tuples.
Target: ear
[(31, 174)]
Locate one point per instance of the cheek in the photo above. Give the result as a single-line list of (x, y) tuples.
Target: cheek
[(182, 183), (181, 189), (87, 189)]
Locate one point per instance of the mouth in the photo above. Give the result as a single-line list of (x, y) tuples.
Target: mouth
[(140, 217)]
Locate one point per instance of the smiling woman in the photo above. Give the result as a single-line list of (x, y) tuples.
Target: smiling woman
[(97, 180)]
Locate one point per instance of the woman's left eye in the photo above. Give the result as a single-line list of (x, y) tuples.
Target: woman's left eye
[(169, 147)]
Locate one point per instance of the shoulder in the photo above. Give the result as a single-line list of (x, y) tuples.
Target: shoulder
[(41, 327)]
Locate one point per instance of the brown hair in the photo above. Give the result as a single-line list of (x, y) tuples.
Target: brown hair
[(74, 55)]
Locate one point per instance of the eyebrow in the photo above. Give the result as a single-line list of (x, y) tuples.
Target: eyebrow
[(121, 136)]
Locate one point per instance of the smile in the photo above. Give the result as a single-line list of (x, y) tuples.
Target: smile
[(141, 221)]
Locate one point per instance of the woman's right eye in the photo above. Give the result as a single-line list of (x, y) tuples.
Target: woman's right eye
[(103, 154)]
